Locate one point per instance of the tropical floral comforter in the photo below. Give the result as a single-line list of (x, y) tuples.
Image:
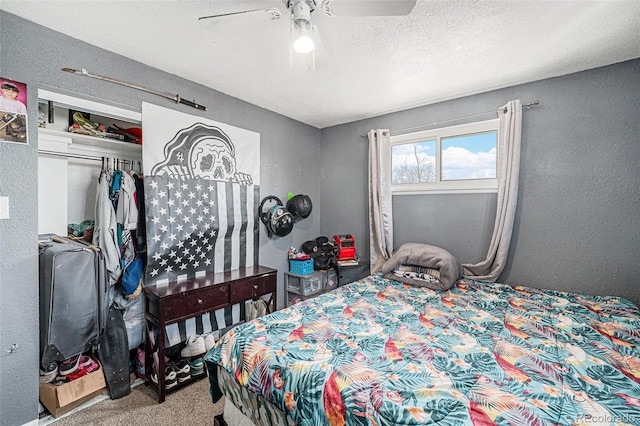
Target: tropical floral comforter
[(380, 352)]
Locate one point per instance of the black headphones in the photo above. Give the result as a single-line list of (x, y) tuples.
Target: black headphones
[(277, 219)]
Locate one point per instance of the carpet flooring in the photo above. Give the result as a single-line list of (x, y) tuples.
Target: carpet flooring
[(190, 405)]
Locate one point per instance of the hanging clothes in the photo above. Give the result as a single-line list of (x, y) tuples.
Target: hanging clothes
[(127, 210), (141, 233), (127, 217), (105, 231), (114, 189)]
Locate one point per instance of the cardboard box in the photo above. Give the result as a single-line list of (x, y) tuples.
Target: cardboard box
[(63, 398)]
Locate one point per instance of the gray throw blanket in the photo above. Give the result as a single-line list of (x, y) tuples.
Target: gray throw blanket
[(425, 256)]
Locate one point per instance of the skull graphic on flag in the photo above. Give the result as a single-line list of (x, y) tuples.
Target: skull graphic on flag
[(201, 193)]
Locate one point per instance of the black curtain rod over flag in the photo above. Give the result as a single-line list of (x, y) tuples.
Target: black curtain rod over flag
[(527, 106)]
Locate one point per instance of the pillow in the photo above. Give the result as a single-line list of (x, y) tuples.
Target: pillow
[(406, 262), (418, 273)]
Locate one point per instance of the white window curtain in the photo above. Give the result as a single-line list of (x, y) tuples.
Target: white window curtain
[(380, 208), (509, 137)]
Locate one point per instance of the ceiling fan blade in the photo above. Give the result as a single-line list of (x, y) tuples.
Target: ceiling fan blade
[(367, 8), (245, 17)]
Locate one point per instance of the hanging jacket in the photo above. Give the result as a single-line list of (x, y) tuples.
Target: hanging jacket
[(141, 230), (105, 231), (127, 211), (127, 218)]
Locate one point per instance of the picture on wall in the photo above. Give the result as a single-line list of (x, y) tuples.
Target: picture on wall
[(202, 189), (13, 111)]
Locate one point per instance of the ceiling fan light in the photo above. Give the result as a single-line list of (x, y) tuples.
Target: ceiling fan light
[(304, 42)]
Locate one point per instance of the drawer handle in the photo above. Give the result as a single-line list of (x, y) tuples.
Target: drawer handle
[(199, 301), (255, 286)]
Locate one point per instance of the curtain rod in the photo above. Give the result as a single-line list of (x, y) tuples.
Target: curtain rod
[(527, 106)]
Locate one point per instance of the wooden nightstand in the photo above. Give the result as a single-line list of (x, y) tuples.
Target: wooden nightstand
[(179, 301)]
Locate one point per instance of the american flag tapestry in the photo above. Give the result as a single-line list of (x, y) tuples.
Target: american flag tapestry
[(202, 191)]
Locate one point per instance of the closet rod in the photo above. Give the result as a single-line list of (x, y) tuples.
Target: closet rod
[(527, 106), (82, 157)]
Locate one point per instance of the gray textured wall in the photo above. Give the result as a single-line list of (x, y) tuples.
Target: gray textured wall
[(577, 225), (35, 55)]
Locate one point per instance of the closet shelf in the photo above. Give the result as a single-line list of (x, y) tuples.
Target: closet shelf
[(106, 144), (55, 114)]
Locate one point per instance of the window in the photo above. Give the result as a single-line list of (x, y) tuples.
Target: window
[(453, 159)]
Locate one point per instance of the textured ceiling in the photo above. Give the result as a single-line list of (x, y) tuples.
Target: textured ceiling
[(442, 50)]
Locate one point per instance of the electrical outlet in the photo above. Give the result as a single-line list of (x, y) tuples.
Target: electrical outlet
[(4, 207)]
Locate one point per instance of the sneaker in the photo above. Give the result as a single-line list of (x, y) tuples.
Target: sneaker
[(80, 371), (182, 369), (59, 380), (209, 341), (48, 373), (139, 363), (88, 364), (197, 367), (69, 365), (195, 346), (170, 377)]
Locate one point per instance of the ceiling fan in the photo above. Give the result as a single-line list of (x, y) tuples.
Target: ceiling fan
[(305, 38)]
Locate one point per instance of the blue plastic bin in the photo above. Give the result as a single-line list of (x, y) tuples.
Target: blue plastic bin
[(301, 267)]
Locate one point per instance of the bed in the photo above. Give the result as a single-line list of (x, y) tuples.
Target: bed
[(382, 352)]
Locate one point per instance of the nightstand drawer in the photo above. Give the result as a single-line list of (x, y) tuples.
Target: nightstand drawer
[(253, 288), (193, 303)]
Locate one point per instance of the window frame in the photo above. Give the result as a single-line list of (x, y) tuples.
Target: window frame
[(440, 186)]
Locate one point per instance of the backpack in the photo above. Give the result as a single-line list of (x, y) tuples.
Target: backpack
[(323, 253)]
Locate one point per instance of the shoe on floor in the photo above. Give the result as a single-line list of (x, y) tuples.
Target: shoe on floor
[(209, 341), (69, 365), (182, 369), (48, 373), (195, 346)]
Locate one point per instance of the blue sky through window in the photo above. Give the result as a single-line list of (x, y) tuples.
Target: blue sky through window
[(469, 156), (481, 142), (404, 162)]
